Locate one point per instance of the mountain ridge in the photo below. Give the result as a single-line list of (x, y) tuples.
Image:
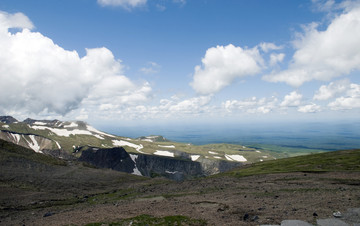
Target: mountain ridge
[(71, 139)]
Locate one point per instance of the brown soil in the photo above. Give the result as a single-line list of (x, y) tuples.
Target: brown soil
[(254, 200)]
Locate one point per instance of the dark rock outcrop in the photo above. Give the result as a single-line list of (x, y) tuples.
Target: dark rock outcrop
[(152, 165), (113, 158), (7, 119)]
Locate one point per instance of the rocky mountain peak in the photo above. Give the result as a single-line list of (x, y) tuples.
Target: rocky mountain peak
[(7, 119)]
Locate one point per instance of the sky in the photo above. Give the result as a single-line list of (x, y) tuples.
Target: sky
[(134, 62)]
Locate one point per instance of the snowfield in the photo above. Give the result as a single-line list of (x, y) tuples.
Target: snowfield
[(194, 157), (126, 143), (238, 158), (63, 132), (164, 153)]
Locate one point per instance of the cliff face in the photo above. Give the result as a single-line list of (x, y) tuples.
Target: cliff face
[(114, 158), (151, 165)]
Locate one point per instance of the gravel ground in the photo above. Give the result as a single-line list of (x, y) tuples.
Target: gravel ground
[(254, 200)]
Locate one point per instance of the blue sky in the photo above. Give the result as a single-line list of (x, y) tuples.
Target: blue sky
[(165, 61)]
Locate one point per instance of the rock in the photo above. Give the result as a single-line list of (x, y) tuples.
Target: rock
[(48, 214), (295, 223), (337, 214), (331, 222), (315, 214), (246, 217), (254, 218)]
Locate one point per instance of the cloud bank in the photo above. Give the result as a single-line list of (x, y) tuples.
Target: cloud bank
[(324, 55), (37, 76)]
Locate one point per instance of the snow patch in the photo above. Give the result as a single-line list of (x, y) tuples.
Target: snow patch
[(213, 153), (238, 158), (99, 137), (34, 144), (125, 143), (147, 140), (71, 125), (57, 143), (16, 137), (92, 129), (166, 146), (258, 151), (170, 172), (135, 170), (217, 157), (5, 126), (194, 157), (164, 153), (265, 157), (63, 132), (40, 123)]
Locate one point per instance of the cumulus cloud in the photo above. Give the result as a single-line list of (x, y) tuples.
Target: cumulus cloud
[(17, 20), (252, 105), (332, 90), (291, 100), (324, 55), (350, 101), (40, 77), (267, 46), (221, 65), (309, 108), (127, 4)]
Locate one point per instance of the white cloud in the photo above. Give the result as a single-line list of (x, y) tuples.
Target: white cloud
[(267, 46), (332, 90), (17, 20), (323, 55), (40, 77), (127, 4), (151, 68), (348, 102), (292, 100), (222, 65), (251, 106), (310, 108), (276, 58)]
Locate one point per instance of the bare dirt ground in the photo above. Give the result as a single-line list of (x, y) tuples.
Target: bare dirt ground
[(254, 200)]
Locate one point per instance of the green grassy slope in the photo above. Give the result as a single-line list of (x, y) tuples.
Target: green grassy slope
[(347, 160)]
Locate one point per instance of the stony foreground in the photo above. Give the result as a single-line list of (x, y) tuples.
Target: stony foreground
[(254, 200)]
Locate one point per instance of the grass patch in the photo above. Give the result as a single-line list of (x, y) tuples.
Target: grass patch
[(111, 196), (347, 160), (143, 220)]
